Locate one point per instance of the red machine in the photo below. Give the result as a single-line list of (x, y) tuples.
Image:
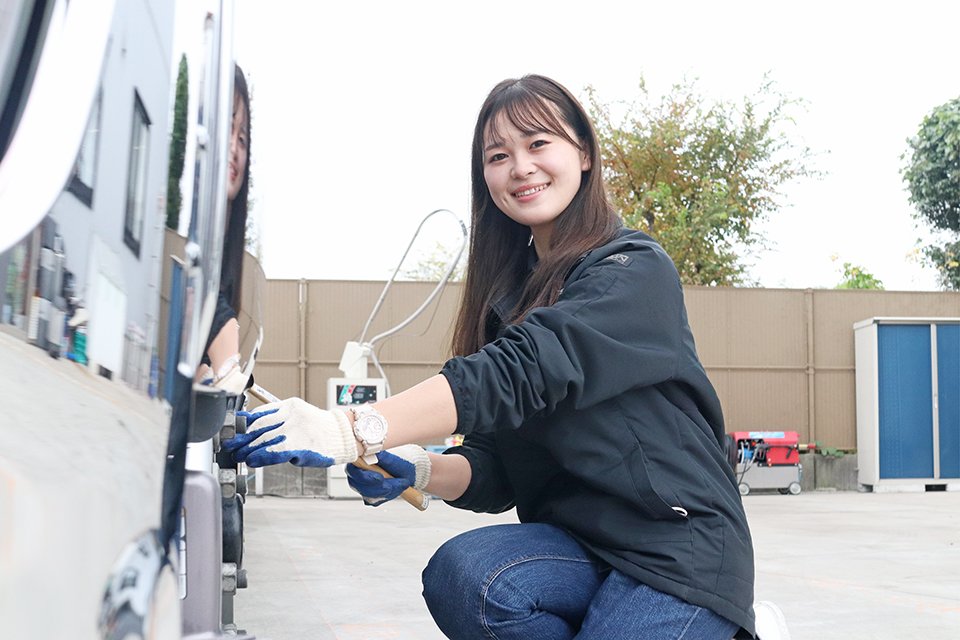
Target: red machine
[(766, 460)]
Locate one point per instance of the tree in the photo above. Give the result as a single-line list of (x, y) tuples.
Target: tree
[(856, 277), (932, 174), (178, 145), (698, 176), (946, 259), (431, 266)]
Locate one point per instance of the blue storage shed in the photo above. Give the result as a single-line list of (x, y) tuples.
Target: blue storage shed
[(908, 403)]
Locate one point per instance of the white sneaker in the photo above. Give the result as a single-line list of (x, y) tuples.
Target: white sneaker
[(771, 624)]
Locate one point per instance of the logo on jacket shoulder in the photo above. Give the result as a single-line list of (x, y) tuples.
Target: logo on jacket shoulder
[(620, 259)]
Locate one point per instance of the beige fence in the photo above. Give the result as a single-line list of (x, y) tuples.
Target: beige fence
[(307, 323), (779, 358)]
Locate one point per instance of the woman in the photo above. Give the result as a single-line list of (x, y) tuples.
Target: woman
[(223, 345), (583, 404)]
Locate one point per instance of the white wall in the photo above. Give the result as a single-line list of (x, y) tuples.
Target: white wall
[(138, 59)]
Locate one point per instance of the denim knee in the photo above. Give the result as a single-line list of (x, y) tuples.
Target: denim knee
[(447, 585), (509, 581), (437, 576), (455, 574)]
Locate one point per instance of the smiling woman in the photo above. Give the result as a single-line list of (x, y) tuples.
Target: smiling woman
[(583, 404)]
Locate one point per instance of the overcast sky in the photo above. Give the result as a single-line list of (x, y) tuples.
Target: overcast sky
[(363, 113)]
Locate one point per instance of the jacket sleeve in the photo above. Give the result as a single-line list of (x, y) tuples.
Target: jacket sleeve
[(489, 490), (615, 327)]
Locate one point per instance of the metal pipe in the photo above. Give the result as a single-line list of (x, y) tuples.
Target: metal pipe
[(433, 294)]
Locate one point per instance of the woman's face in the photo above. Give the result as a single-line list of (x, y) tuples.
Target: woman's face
[(238, 149), (532, 176)]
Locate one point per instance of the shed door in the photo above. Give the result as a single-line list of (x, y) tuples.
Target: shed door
[(948, 385), (906, 401)]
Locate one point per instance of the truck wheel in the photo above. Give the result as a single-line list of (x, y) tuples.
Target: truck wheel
[(744, 488), (794, 488)]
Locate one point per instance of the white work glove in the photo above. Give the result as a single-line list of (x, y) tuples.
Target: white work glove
[(297, 432), (408, 464)]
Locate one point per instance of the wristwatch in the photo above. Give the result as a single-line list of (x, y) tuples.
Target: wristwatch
[(370, 427)]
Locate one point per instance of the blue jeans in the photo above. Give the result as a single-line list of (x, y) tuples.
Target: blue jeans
[(535, 582)]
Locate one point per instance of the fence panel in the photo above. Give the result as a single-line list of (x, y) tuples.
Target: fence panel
[(779, 358)]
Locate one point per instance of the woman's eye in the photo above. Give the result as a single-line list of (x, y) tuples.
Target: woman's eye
[(539, 143), (497, 157)]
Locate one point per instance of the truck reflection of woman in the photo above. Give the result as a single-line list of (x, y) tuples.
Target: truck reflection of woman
[(223, 346)]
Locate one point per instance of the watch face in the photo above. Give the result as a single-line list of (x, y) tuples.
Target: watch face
[(371, 428)]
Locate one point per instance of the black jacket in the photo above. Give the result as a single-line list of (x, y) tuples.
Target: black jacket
[(594, 414)]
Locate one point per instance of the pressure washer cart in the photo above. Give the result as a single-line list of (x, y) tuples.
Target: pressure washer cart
[(766, 460)]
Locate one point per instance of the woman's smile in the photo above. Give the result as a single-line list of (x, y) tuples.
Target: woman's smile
[(525, 194)]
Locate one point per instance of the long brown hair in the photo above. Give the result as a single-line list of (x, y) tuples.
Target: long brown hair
[(231, 265), (497, 262)]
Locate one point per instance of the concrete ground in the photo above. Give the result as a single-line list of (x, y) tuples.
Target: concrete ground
[(842, 565)]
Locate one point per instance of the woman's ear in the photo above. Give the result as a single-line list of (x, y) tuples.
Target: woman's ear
[(585, 161)]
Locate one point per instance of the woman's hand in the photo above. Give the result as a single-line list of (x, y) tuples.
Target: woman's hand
[(409, 466), (297, 432)]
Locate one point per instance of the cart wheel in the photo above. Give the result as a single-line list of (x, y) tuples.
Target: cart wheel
[(744, 488), (794, 488)]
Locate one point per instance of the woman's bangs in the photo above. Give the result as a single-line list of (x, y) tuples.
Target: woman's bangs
[(530, 115)]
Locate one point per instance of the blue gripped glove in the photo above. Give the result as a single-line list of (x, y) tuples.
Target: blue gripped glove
[(294, 431), (408, 464)]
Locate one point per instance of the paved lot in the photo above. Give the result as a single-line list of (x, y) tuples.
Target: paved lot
[(841, 565)]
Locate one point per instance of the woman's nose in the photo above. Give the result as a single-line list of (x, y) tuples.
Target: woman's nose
[(522, 167)]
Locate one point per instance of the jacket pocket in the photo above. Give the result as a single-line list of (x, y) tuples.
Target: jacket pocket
[(653, 501)]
